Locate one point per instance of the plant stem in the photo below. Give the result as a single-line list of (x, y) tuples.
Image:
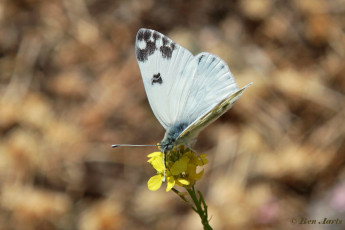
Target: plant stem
[(200, 207)]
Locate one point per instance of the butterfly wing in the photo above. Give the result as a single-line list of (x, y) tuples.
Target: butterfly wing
[(167, 70), (213, 114), (214, 91), (212, 83)]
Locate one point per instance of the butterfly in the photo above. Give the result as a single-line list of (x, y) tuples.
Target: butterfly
[(186, 93)]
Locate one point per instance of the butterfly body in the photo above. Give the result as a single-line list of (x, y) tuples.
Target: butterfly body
[(186, 92), (171, 137)]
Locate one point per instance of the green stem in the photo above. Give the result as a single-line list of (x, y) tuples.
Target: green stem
[(180, 195), (200, 207)]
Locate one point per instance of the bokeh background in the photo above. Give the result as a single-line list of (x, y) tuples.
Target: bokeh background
[(70, 87)]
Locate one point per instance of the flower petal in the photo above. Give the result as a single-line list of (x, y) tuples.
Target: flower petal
[(183, 181), (170, 184), (155, 154), (179, 166), (199, 175), (155, 182), (191, 172), (157, 163)]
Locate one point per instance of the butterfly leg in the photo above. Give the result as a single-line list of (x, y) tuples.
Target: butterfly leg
[(164, 165)]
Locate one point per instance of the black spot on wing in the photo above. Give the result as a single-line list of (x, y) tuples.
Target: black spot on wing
[(156, 36), (143, 54), (156, 79), (147, 35), (165, 41), (167, 49), (150, 47), (150, 38), (200, 58), (140, 35), (173, 45)]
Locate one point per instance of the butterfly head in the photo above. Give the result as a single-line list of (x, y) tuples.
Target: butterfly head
[(167, 143), (166, 148)]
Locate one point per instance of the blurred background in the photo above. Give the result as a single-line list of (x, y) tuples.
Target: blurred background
[(70, 87)]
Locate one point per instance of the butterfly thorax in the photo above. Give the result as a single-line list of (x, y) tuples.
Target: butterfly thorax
[(171, 137)]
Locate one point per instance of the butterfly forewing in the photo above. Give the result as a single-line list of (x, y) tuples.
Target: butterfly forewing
[(167, 70)]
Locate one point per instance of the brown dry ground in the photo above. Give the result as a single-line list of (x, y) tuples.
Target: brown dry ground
[(70, 87)]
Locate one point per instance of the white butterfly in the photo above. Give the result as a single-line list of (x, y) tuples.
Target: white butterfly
[(186, 92)]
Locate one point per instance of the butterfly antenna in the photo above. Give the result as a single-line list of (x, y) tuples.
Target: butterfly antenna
[(129, 145)]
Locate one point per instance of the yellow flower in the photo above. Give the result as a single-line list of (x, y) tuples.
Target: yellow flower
[(181, 168)]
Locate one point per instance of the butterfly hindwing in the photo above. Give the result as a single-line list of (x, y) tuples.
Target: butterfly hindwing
[(212, 83), (204, 120)]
